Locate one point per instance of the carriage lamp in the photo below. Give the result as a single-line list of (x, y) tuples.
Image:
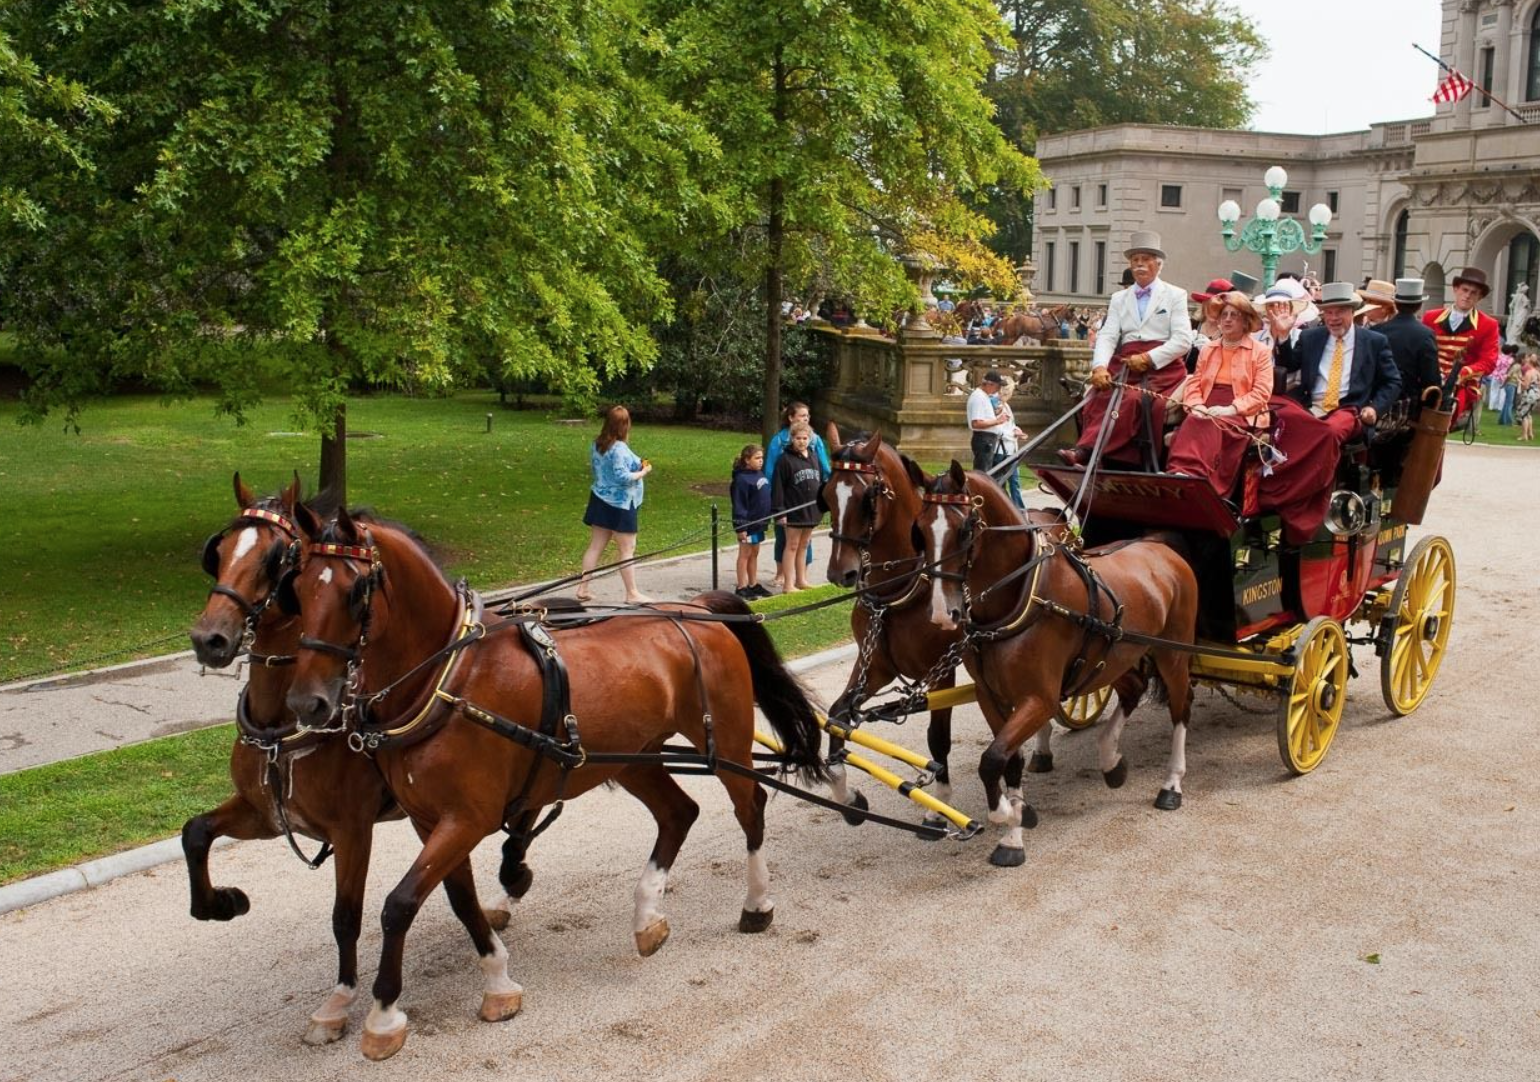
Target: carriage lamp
[(1269, 234)]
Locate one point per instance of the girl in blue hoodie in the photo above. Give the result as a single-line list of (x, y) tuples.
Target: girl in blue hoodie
[(751, 513)]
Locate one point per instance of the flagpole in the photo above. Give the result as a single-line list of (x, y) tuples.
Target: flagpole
[(1476, 89)]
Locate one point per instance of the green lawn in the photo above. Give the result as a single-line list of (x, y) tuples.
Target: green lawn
[(100, 532)]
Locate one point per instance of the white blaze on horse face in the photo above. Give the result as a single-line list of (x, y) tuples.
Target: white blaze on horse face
[(1177, 767), (1107, 752), (843, 491), (326, 576), (940, 614), (246, 541), (649, 891), (758, 900)]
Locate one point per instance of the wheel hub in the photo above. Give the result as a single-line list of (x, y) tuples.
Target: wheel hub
[(1429, 628)]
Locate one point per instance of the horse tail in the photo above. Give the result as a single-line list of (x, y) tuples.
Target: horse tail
[(779, 694)]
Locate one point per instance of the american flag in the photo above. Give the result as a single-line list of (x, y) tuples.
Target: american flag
[(1453, 88)]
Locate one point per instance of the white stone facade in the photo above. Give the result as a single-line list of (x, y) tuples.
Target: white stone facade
[(1466, 179)]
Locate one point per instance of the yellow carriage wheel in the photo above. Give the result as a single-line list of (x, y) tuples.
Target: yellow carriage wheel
[(1422, 608), (1084, 711), (1312, 705)]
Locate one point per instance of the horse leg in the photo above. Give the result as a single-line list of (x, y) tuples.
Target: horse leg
[(446, 848), (674, 812), (748, 798), (938, 740), (501, 995), (1175, 670), (514, 874), (1002, 761), (1129, 689), (878, 675), (350, 864), (1042, 751), (235, 818)]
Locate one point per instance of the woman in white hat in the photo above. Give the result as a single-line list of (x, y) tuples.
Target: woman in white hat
[(1226, 396)]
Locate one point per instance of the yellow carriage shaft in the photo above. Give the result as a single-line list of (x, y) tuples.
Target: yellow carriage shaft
[(908, 788)]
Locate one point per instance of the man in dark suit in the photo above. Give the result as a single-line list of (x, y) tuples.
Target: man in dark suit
[(1347, 374), (1411, 343)]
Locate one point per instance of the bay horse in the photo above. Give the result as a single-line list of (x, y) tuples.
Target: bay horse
[(874, 506), (377, 614), (287, 781), (1067, 629), (1039, 325)]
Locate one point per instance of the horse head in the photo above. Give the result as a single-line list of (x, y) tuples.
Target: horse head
[(872, 505), (947, 530), (247, 560)]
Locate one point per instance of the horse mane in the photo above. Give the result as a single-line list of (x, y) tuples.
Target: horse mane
[(366, 517)]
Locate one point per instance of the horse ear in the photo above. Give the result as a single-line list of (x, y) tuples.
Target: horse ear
[(243, 495), (874, 443), (956, 475), (346, 529), (916, 475), (306, 520), (831, 436), (290, 496)]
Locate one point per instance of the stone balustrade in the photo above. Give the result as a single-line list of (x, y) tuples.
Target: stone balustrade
[(915, 391)]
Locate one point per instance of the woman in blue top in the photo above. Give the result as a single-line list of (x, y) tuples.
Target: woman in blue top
[(612, 501)]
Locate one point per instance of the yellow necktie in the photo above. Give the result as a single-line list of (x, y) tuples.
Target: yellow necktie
[(1333, 380)]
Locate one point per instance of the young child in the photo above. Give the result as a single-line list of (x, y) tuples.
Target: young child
[(751, 517), (796, 482)]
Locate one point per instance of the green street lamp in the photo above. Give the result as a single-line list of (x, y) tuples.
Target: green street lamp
[(1268, 234)]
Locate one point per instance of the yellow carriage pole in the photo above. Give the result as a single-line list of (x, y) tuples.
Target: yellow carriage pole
[(968, 827)]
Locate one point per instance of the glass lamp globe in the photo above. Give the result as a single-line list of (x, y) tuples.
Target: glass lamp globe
[(1276, 177), (1229, 211), (1268, 210), (1320, 215)]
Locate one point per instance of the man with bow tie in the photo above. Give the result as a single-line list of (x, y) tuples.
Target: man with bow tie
[(1466, 337), (1143, 341)]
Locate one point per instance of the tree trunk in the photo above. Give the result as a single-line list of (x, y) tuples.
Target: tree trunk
[(774, 236), (334, 458)]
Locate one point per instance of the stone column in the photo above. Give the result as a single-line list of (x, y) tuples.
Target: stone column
[(1465, 60), (1502, 61)]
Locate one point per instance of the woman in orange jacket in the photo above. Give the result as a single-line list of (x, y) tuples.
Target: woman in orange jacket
[(1225, 397)]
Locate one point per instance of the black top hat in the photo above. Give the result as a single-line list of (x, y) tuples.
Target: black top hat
[(992, 377)]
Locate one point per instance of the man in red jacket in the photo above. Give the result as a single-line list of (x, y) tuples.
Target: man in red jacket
[(1467, 337)]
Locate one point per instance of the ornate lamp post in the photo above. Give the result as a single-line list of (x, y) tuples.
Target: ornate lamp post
[(1268, 234)]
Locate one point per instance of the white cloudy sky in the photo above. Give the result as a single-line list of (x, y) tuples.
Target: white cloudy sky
[(1340, 65)]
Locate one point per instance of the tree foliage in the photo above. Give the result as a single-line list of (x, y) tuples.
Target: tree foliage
[(1073, 64), (376, 190), (852, 131)]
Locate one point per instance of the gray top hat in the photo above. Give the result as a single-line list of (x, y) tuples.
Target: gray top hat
[(1409, 291), (1145, 240), (1244, 282), (1338, 293)]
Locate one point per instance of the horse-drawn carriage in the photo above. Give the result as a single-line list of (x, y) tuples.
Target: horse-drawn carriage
[(1278, 619)]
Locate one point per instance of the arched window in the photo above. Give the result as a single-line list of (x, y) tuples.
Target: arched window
[(1532, 82), (1398, 261), (1523, 264)]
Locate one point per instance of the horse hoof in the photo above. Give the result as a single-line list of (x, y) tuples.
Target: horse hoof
[(1005, 856), (519, 883), (856, 801), (751, 922), (497, 919), (378, 1046), (500, 1006), (1040, 764), (1117, 775), (649, 939), (1168, 800), (325, 1030), (1029, 816), (227, 904)]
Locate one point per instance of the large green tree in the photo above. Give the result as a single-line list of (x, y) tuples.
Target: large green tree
[(336, 191), (1073, 64), (852, 132)]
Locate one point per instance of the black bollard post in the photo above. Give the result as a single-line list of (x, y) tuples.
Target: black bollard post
[(716, 539), (489, 422)]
